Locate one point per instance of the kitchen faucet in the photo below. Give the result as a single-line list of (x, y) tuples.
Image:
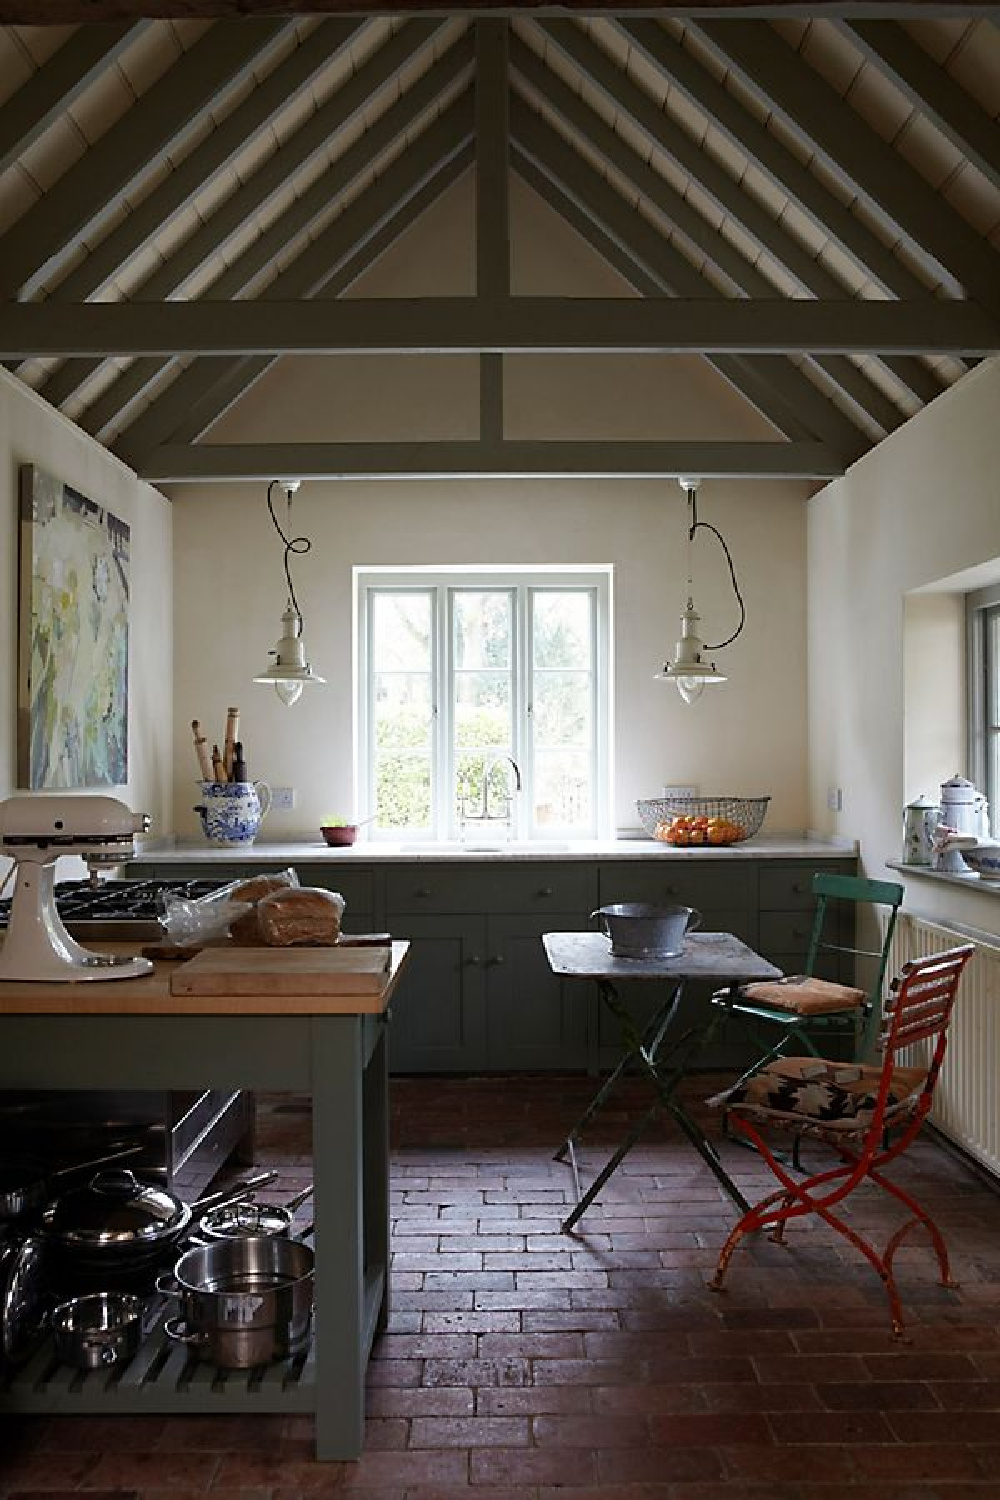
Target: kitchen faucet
[(483, 814)]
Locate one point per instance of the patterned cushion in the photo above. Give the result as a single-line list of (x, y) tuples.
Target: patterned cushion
[(811, 1092), (805, 995)]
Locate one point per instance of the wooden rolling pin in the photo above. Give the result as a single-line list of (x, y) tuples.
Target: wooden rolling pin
[(201, 750), (229, 742)]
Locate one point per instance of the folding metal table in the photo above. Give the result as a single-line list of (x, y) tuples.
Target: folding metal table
[(717, 957)]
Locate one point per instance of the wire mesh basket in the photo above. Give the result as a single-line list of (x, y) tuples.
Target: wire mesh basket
[(691, 821)]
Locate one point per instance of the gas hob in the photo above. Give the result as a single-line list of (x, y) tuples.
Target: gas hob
[(118, 910)]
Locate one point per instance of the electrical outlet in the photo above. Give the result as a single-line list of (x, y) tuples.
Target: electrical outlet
[(680, 791), (282, 798), (835, 799)]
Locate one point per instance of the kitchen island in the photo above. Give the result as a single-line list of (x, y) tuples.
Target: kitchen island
[(136, 1033), (478, 995)]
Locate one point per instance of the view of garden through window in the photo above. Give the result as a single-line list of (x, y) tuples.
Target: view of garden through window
[(471, 689)]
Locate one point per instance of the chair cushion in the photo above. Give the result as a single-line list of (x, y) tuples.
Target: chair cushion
[(814, 1091), (805, 995)]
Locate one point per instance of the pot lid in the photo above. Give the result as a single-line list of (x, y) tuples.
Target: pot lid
[(958, 789), (115, 1208), (923, 803), (239, 1220)]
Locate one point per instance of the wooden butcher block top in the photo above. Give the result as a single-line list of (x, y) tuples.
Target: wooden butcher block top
[(283, 971)]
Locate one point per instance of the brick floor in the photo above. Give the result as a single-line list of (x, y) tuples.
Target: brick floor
[(523, 1362)]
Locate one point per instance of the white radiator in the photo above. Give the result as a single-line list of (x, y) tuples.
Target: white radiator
[(967, 1097)]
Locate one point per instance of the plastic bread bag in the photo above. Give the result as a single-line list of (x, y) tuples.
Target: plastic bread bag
[(189, 923), (245, 928), (306, 915)]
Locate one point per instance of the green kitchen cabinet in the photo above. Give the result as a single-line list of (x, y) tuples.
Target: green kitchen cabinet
[(485, 999)]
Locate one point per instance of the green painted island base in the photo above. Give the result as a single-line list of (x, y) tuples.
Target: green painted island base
[(341, 1060)]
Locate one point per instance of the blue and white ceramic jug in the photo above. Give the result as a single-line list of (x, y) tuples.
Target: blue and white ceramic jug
[(232, 811)]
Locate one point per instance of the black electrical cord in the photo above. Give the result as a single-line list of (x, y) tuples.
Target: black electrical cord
[(297, 544), (707, 526)]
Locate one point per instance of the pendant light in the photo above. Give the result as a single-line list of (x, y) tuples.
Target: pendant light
[(290, 670), (692, 668)]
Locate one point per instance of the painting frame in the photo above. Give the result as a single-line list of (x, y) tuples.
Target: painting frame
[(73, 637)]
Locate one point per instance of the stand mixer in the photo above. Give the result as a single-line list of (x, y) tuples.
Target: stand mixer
[(34, 832)]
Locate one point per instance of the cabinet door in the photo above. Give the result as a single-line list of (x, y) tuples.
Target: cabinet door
[(439, 1009), (532, 1019)]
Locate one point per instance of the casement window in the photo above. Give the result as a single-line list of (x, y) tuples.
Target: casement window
[(983, 616), (470, 683)]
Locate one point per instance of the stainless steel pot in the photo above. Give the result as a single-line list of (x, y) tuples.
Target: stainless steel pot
[(243, 1302), (639, 930), (24, 1299), (245, 1220), (98, 1330), (116, 1221), (26, 1185)]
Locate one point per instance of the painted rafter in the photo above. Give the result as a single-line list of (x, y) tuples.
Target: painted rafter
[(253, 196), (59, 12), (57, 84), (746, 280), (634, 247), (492, 203), (664, 135), (464, 325), (44, 237), (849, 146), (206, 389), (930, 89)]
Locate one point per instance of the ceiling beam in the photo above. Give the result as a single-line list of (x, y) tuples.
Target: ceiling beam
[(327, 267), (465, 325), (775, 73), (253, 196), (179, 464), (630, 243), (657, 128), (58, 83), (492, 203), (44, 237), (931, 90), (59, 12)]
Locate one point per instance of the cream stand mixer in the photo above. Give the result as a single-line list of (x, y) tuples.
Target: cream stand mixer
[(34, 832)]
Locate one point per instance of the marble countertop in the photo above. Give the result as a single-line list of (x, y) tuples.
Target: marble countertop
[(763, 846)]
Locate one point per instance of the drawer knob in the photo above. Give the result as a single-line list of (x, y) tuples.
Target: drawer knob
[(546, 890), (496, 960), (421, 890), (474, 960)]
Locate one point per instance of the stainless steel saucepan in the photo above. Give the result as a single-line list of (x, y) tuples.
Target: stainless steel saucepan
[(244, 1219)]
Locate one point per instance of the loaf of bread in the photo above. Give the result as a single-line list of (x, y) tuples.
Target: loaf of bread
[(245, 930), (300, 915)]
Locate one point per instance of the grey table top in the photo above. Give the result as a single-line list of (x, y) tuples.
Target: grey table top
[(716, 956)]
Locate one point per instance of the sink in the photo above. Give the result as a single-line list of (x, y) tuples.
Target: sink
[(482, 846)]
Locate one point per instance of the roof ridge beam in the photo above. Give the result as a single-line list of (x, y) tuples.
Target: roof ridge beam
[(59, 82), (849, 145), (87, 192)]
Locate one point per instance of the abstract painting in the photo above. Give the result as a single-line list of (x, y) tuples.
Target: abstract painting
[(73, 646)]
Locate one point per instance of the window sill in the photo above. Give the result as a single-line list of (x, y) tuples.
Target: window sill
[(967, 882)]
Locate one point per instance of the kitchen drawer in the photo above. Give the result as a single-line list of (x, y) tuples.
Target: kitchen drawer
[(785, 887), (526, 886), (356, 886), (711, 886), (785, 932)]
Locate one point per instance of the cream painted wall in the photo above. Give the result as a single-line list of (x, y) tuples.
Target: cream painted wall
[(919, 508), (747, 737), (32, 432)]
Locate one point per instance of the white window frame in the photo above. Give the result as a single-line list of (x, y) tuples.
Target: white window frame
[(523, 583), (984, 695)]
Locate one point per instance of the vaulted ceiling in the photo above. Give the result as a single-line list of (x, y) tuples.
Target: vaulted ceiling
[(810, 202)]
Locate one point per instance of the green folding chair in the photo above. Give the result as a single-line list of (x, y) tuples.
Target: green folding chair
[(803, 1009)]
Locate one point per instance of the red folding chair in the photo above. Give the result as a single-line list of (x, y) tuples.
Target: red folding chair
[(869, 1114)]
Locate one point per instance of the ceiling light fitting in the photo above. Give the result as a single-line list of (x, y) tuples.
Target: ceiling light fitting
[(290, 670), (691, 667)]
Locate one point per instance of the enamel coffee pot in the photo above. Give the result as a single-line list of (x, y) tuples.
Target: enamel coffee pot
[(920, 819), (964, 808)]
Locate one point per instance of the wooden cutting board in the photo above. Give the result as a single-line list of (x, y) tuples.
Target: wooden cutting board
[(283, 971)]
